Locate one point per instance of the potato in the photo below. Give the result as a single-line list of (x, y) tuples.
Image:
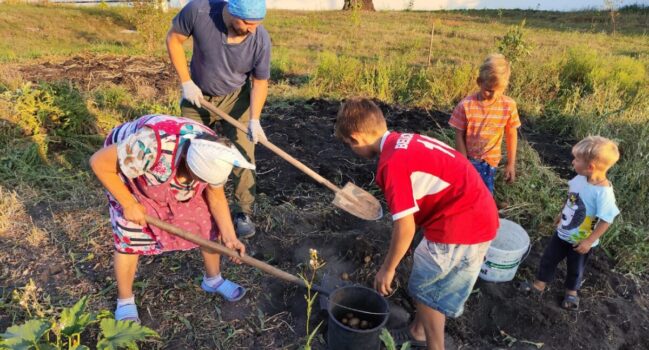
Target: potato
[(349, 315), (364, 324), (345, 276), (354, 322), (344, 320)]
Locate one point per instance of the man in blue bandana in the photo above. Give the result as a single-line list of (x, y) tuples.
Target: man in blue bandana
[(230, 67)]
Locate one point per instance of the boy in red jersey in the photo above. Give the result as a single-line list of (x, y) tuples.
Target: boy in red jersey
[(427, 184)]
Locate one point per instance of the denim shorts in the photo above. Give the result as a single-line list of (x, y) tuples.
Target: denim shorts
[(486, 171), (443, 275)]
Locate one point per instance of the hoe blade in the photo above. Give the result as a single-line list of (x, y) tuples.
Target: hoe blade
[(358, 202)]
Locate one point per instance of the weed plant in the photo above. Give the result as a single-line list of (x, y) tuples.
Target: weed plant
[(315, 263)]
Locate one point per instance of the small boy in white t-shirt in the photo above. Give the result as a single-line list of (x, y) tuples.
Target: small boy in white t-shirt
[(589, 211)]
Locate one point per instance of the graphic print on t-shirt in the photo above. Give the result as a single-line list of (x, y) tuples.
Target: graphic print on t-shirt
[(574, 215)]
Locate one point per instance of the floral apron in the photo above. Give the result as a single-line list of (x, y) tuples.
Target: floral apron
[(160, 193)]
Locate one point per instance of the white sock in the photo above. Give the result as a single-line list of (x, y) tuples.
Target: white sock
[(213, 282), (126, 301)]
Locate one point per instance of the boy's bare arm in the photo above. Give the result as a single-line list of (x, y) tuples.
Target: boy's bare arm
[(511, 139), (402, 235), (584, 246), (460, 141)]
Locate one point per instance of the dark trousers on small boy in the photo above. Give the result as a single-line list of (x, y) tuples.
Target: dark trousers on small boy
[(557, 250)]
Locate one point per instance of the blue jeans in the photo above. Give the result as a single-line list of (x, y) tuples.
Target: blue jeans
[(443, 275), (486, 171)]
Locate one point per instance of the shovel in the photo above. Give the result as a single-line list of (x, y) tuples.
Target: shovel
[(350, 198)]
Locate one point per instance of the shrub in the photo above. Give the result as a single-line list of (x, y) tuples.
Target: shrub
[(111, 97), (48, 111), (588, 71), (513, 45), (150, 22)]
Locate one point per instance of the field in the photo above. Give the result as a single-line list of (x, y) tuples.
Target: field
[(68, 75)]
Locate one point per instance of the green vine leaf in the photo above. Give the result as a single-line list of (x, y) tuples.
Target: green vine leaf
[(74, 320), (120, 334), (24, 336)]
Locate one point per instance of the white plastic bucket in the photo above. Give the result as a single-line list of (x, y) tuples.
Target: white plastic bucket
[(505, 252)]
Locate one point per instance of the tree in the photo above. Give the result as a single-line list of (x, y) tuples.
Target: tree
[(365, 5)]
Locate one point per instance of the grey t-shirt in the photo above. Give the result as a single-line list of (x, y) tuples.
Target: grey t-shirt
[(217, 67)]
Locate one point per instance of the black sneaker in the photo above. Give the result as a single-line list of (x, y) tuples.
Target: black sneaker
[(243, 226)]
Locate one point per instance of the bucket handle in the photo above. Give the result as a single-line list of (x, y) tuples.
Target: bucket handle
[(361, 311), (529, 250)]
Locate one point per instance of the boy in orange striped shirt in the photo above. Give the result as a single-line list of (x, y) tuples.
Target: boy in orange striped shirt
[(483, 119)]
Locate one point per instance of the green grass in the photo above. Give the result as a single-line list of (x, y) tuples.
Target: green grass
[(31, 32), (578, 79)]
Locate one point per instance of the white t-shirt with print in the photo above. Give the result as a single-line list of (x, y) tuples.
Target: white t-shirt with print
[(585, 204)]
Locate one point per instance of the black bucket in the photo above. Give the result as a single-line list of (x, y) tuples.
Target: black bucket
[(367, 304)]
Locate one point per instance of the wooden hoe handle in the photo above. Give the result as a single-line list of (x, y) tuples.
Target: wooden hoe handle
[(223, 250)]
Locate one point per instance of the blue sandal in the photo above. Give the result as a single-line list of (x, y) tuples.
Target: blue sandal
[(127, 312), (570, 302), (227, 289)]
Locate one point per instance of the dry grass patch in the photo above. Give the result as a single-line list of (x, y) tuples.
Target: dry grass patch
[(16, 223)]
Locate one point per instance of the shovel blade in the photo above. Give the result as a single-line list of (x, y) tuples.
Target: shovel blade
[(358, 202)]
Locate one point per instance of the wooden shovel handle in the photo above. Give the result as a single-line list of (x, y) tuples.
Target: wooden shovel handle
[(271, 147), (223, 250)]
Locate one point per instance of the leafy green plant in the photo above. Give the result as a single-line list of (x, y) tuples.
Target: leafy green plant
[(65, 332), (119, 334), (513, 45), (388, 341), (48, 111)]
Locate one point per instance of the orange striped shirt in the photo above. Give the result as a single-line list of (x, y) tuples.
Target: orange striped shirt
[(484, 125)]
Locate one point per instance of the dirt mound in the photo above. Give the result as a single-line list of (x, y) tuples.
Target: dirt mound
[(89, 72)]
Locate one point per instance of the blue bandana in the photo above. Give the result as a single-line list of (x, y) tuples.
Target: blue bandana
[(248, 10)]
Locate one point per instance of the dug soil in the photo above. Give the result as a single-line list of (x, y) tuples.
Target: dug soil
[(293, 216)]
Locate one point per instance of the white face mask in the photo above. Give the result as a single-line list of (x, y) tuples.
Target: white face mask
[(213, 161)]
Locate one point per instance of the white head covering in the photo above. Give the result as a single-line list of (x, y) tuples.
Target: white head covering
[(213, 161)]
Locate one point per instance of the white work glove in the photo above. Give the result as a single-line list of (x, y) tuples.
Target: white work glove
[(255, 132), (192, 93)]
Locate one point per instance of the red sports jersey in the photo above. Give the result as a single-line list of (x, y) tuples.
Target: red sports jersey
[(423, 176)]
